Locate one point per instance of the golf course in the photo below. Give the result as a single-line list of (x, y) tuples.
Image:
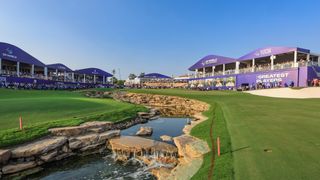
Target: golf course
[(261, 137), (41, 110)]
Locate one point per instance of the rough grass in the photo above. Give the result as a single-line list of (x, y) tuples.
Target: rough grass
[(42, 110), (271, 138)]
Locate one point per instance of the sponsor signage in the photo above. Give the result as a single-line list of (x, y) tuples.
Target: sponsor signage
[(210, 61), (3, 79), (272, 77), (9, 53), (284, 76), (263, 52)]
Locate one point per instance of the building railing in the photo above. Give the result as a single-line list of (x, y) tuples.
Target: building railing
[(260, 68)]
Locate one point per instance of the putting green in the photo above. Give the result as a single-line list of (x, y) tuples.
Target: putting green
[(270, 138)]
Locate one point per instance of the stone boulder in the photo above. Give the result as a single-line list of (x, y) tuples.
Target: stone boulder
[(86, 139), (140, 146), (166, 138), (145, 131), (4, 156), (97, 124), (68, 131), (38, 147), (49, 156), (144, 115), (13, 168), (75, 144), (108, 135), (92, 126), (191, 147)]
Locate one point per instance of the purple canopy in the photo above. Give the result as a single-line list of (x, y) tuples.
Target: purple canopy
[(93, 71), (156, 76), (59, 66), (211, 60), (13, 53), (268, 51)]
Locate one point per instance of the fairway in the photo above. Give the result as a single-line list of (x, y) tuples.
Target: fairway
[(41, 110), (270, 138), (45, 106)]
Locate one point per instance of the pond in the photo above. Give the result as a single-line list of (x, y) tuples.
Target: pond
[(103, 166)]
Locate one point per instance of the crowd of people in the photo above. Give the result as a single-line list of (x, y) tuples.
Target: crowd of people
[(160, 84), (256, 68), (266, 85), (315, 82), (43, 86)]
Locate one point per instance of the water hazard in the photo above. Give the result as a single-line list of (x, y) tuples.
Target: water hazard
[(103, 166)]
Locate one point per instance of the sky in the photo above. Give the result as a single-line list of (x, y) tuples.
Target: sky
[(164, 36)]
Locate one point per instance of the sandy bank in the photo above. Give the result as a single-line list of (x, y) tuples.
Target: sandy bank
[(311, 92)]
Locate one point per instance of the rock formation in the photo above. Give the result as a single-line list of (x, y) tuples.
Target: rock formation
[(166, 138), (145, 131), (167, 105), (147, 150), (25, 159)]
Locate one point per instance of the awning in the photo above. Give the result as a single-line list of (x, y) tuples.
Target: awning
[(59, 66), (211, 60), (93, 71), (268, 51), (13, 53)]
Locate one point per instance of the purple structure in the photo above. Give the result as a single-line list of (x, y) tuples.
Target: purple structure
[(18, 66), (59, 67), (91, 75), (269, 51), (156, 76), (265, 67), (15, 54), (211, 60)]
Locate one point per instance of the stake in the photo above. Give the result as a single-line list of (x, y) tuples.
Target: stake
[(218, 145), (20, 120)]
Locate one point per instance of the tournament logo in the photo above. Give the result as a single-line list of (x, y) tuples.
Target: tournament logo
[(263, 52), (209, 61), (9, 53)]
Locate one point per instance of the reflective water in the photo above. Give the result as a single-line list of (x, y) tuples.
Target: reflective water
[(103, 166)]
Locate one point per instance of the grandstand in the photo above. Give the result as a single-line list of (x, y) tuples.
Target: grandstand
[(155, 80), (262, 68), (18, 68)]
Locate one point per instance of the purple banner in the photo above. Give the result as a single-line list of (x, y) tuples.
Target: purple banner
[(280, 76)]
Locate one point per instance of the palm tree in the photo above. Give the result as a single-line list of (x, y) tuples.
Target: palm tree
[(113, 73)]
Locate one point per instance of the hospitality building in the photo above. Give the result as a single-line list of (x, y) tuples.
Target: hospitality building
[(262, 68), (17, 66)]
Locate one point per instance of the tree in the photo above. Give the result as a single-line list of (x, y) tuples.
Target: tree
[(132, 76), (120, 82), (113, 78), (142, 74)]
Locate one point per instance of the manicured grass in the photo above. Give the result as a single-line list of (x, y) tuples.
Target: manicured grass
[(42, 110), (271, 138)]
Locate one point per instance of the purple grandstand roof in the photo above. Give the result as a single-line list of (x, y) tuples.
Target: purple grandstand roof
[(93, 71), (211, 60), (156, 76), (59, 66), (268, 51), (13, 53)]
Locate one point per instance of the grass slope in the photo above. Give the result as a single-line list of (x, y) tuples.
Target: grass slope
[(288, 128), (46, 109)]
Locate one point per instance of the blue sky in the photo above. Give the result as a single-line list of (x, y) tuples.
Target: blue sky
[(165, 36)]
